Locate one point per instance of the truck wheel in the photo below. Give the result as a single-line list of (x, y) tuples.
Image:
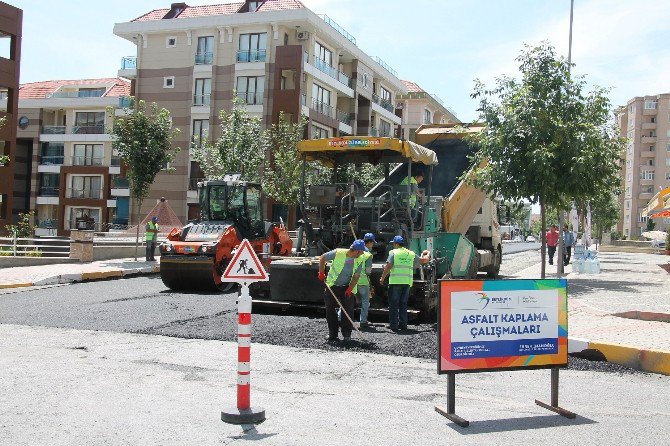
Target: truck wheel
[(474, 268), (493, 271)]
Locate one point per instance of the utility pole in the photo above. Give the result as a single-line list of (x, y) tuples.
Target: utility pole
[(561, 214)]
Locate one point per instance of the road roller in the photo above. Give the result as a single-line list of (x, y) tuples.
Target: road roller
[(195, 256)]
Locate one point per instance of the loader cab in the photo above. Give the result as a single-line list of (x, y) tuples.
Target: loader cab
[(236, 203)]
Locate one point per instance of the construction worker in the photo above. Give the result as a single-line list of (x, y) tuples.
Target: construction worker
[(400, 265), (414, 182), (364, 282), (151, 235), (342, 280)]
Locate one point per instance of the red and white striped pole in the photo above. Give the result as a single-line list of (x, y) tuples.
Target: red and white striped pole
[(244, 413)]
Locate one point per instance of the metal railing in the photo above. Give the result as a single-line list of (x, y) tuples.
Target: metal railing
[(47, 223), (385, 66), (338, 28), (375, 98), (54, 129), (95, 194), (193, 183), (343, 117), (128, 63), (331, 71), (48, 191), (76, 94), (126, 102), (87, 161), (88, 129), (46, 160), (251, 98), (374, 131), (204, 58), (201, 99), (33, 247), (322, 107), (385, 132), (251, 55), (386, 104)]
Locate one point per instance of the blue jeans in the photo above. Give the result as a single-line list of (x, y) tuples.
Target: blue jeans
[(364, 291), (398, 297)]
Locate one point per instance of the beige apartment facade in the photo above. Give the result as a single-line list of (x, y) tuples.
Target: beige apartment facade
[(645, 123), (72, 174), (418, 107), (276, 55)]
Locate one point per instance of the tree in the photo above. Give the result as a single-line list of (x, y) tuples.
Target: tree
[(604, 213), (24, 228), (283, 174), (143, 139), (546, 139), (239, 149)]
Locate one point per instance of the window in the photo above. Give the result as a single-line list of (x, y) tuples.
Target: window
[(321, 100), (646, 174), (647, 189), (653, 119), (287, 81), (384, 128), (667, 161), (627, 204), (667, 176), (89, 122), (253, 6), (49, 184), (203, 89), (52, 153), (252, 47), (652, 148), (168, 82), (88, 155), (628, 191), (386, 95), (629, 163), (426, 117), (319, 132), (200, 131), (667, 148), (652, 133), (643, 219), (365, 80), (205, 50), (250, 89), (170, 42), (323, 53), (651, 162), (86, 187), (650, 105), (631, 108), (630, 177), (91, 92), (85, 213)]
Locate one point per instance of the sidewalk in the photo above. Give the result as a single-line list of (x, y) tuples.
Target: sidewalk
[(631, 283), (26, 276)]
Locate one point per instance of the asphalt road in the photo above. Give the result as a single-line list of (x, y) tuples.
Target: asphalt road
[(514, 247)]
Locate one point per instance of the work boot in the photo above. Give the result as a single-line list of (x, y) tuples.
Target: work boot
[(332, 339), (402, 327)]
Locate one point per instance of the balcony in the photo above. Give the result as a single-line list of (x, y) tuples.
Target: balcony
[(54, 129), (200, 100), (386, 104), (88, 129), (339, 76), (49, 160), (204, 58), (251, 98), (322, 107), (120, 183), (647, 153), (648, 139), (87, 161), (126, 102), (193, 183), (48, 191), (343, 117), (76, 94), (129, 63), (251, 56), (338, 28), (95, 194), (648, 126), (385, 66), (375, 98)]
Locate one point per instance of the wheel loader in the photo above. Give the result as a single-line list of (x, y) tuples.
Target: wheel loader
[(195, 256)]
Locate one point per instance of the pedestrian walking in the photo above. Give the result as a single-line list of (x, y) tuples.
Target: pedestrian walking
[(400, 267), (342, 278), (552, 242), (568, 242), (364, 281), (151, 236)]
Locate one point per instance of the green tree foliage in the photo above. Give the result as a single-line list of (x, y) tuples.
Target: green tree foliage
[(239, 149), (650, 224), (546, 139), (24, 228), (143, 139), (519, 213), (283, 174)]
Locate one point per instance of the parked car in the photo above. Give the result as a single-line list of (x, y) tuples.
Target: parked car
[(530, 238)]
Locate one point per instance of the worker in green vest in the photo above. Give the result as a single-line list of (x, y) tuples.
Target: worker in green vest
[(400, 265), (151, 235), (342, 278), (414, 191), (364, 282)]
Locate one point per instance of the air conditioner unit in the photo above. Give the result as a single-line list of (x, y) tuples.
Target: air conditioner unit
[(302, 35)]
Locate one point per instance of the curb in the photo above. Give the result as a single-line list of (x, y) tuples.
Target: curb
[(652, 361), (4, 286), (85, 276)]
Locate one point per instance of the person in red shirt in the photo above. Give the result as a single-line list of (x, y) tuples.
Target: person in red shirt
[(552, 242)]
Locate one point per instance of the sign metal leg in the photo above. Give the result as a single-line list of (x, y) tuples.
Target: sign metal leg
[(450, 411), (554, 397)]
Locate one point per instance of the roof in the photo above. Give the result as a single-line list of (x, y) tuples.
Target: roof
[(375, 149), (412, 87), (40, 90), (220, 9)]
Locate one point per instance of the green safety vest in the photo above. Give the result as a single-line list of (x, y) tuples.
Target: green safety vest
[(151, 236), (412, 196), (364, 279), (338, 264), (402, 271)]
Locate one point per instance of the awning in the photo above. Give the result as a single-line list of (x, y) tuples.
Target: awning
[(365, 148)]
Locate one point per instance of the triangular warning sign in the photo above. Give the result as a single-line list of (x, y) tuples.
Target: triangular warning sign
[(245, 266)]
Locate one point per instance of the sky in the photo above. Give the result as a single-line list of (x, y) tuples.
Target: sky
[(443, 45)]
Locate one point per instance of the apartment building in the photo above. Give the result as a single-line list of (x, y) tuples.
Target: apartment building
[(418, 107), (73, 176), (11, 20), (277, 55), (645, 122)]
